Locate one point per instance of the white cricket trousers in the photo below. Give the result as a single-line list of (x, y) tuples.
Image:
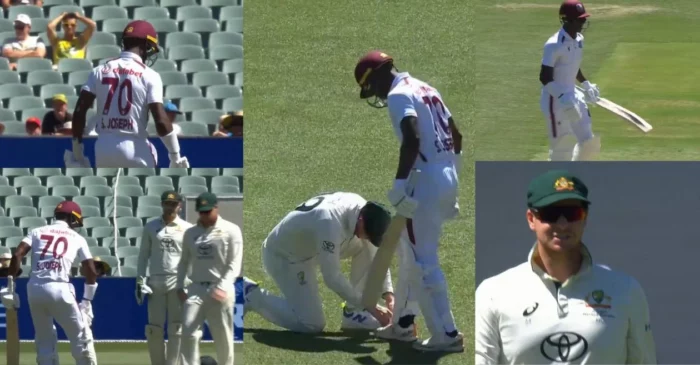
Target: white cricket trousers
[(421, 278), (119, 150), (201, 306), (51, 301), (163, 303), (561, 143)]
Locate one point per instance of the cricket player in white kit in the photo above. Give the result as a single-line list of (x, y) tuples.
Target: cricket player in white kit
[(320, 233), (212, 256), (161, 247), (50, 294), (559, 306), (431, 143), (126, 89), (564, 107)]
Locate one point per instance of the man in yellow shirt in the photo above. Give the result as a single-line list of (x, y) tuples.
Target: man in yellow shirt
[(71, 45)]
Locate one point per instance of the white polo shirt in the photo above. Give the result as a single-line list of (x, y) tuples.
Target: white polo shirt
[(598, 316), (564, 54), (31, 43)]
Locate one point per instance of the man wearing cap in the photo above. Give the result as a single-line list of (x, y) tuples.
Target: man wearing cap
[(33, 126), (5, 260), (320, 233), (564, 107), (212, 254), (172, 112), (23, 45), (230, 125), (161, 247), (54, 120), (560, 306)]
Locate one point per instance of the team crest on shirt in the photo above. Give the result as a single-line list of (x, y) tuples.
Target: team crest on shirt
[(563, 184), (598, 299)]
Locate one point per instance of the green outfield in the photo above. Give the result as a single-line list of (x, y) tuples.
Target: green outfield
[(309, 132), (641, 53)]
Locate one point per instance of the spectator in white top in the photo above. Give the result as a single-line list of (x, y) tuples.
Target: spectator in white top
[(7, 3), (23, 45)]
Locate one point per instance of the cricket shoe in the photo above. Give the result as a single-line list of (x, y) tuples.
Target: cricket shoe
[(394, 332), (248, 287), (358, 320), (441, 343)]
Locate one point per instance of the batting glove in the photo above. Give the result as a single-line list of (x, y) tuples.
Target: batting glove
[(78, 154), (177, 161), (398, 197), (9, 299), (591, 92), (86, 309)]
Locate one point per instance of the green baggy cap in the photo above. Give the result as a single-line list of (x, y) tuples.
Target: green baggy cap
[(205, 202), (554, 186)]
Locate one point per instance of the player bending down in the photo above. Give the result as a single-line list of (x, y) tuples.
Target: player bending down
[(564, 107), (431, 143), (321, 232), (50, 294), (126, 89)]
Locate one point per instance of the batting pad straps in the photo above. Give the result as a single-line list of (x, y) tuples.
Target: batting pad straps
[(171, 143), (89, 292), (554, 89)]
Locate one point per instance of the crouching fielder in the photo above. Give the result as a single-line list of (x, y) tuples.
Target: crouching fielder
[(50, 294), (321, 232), (564, 107), (161, 246), (212, 251)]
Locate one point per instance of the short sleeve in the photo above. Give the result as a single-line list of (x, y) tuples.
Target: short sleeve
[(28, 239), (549, 58), (155, 89), (91, 83), (84, 251), (40, 43)]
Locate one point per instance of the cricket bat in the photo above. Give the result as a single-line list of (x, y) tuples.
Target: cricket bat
[(12, 328), (385, 253), (623, 113)]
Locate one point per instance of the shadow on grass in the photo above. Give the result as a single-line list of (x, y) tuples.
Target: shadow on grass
[(401, 353)]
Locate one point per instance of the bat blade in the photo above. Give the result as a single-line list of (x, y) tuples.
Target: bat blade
[(12, 330), (623, 113), (382, 261)]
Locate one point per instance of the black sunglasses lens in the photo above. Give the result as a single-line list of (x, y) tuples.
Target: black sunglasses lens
[(552, 214)]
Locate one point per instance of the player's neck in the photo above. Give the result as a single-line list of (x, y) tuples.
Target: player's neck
[(571, 33), (208, 224), (169, 218), (559, 265)]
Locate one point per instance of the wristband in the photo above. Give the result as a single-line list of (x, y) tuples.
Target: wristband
[(400, 184), (89, 292), (171, 143)]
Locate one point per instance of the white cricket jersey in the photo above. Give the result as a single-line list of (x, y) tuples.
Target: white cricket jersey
[(323, 227), (54, 248), (564, 54), (598, 316), (410, 97), (161, 246), (124, 87)]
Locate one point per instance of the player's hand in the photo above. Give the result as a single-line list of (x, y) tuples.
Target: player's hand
[(570, 111), (182, 295), (9, 299), (178, 162), (591, 92), (219, 294), (404, 204), (389, 300), (142, 290), (383, 315)]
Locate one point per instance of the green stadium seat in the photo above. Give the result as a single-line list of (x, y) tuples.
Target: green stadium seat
[(15, 129), (163, 64), (128, 180), (7, 25), (158, 180), (226, 190), (99, 251), (93, 180), (121, 211), (189, 67), (20, 211), (22, 181), (13, 242), (87, 201), (225, 180), (124, 271), (11, 77), (176, 92), (31, 10), (233, 66), (208, 78), (19, 103), (232, 104), (174, 172), (233, 25), (7, 115), (90, 5), (150, 12), (5, 250), (194, 129), (206, 172), (185, 52), (112, 261), (49, 3), (93, 222), (46, 211), (25, 65), (43, 77), (91, 242), (164, 26), (207, 116), (11, 172), (133, 232), (102, 52), (131, 5), (183, 39), (78, 172), (189, 12), (148, 212), (141, 171), (107, 172), (130, 190), (98, 38), (90, 211), (34, 112), (51, 202), (14, 90), (220, 54), (48, 91), (126, 251), (29, 223), (115, 26), (232, 171), (4, 181), (4, 63), (34, 191), (173, 78), (59, 180), (10, 231), (218, 39), (125, 222), (193, 190), (102, 232), (131, 261), (230, 11), (222, 92), (148, 200), (18, 201), (157, 190), (65, 191), (54, 11), (204, 26), (6, 221), (172, 5), (98, 191), (122, 201), (192, 104), (39, 25), (101, 13), (6, 35), (78, 78), (68, 65)]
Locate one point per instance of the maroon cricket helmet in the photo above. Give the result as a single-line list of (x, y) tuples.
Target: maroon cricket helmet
[(72, 210), (366, 66), (572, 9)]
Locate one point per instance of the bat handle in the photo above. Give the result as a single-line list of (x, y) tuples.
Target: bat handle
[(11, 284)]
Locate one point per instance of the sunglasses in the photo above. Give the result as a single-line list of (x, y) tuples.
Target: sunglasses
[(68, 25), (552, 214), (20, 26)]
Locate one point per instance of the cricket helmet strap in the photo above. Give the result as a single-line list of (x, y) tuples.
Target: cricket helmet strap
[(376, 219), (71, 212), (571, 10), (366, 71), (143, 30)]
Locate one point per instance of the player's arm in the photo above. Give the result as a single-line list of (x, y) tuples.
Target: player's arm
[(403, 114), (549, 59), (90, 27), (21, 251), (144, 253), (39, 51), (640, 341), (84, 103), (184, 266), (487, 336), (51, 29), (89, 270), (164, 126), (234, 259), (579, 77), (329, 261), (7, 51)]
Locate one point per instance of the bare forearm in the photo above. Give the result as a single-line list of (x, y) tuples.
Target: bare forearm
[(580, 76), (15, 263), (407, 157), (78, 125)]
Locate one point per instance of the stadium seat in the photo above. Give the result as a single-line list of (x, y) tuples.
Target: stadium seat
[(183, 39), (224, 180), (25, 65), (141, 171), (4, 181), (185, 13), (90, 211), (46, 211), (231, 11), (225, 189), (133, 232), (93, 222), (10, 231), (99, 38), (128, 180), (99, 251), (233, 25), (28, 223), (122, 201), (221, 92), (150, 12), (158, 180), (7, 115), (232, 104), (43, 77), (18, 201), (54, 11), (220, 54), (11, 172), (15, 129), (121, 211), (78, 78), (19, 103), (129, 190), (172, 5), (22, 181), (89, 5), (92, 180), (225, 39), (207, 116), (177, 171), (48, 91), (131, 261), (30, 10), (98, 191), (65, 191), (91, 242), (148, 200), (207, 172), (34, 191), (78, 173), (173, 78), (10, 77), (101, 13), (193, 190), (6, 35), (164, 27), (102, 232), (39, 25), (115, 26), (148, 212), (102, 52), (4, 63), (208, 78), (176, 92), (50, 3), (20, 211), (106, 172), (126, 251), (185, 52), (53, 181), (204, 26), (125, 222), (7, 25), (50, 201), (86, 201), (45, 172), (194, 129), (124, 271), (157, 190), (6, 222), (192, 104), (130, 5), (34, 112), (197, 65), (163, 64)]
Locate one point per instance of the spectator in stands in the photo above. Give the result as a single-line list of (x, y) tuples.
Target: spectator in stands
[(7, 3), (66, 129), (23, 45), (33, 126), (172, 112), (71, 45), (53, 120), (230, 125), (5, 260)]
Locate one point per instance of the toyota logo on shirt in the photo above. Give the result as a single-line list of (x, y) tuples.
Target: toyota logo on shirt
[(564, 347)]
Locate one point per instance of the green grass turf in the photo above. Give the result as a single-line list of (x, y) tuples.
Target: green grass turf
[(309, 132), (640, 53), (107, 353)]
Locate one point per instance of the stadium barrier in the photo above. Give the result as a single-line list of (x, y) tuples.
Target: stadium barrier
[(118, 318), (48, 151)]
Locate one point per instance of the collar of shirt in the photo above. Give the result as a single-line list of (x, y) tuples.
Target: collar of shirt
[(61, 223), (175, 222), (585, 265), (217, 223), (131, 55), (400, 76), (567, 37)]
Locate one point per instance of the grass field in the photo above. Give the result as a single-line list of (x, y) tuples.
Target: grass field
[(309, 132), (641, 53)]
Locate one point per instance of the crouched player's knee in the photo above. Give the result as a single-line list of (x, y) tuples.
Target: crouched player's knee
[(315, 326)]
